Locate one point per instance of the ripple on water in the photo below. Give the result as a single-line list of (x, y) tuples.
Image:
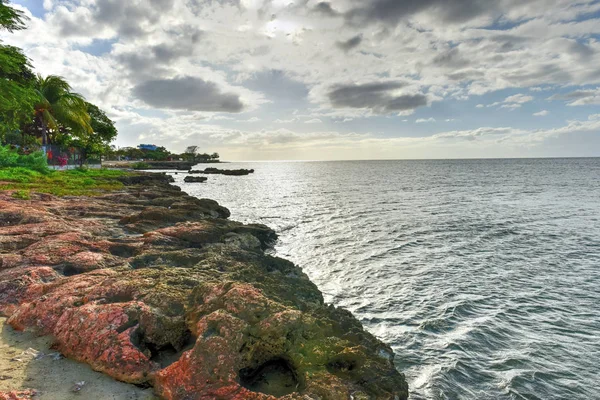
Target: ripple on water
[(482, 275)]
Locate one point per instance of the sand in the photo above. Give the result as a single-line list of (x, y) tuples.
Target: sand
[(54, 378)]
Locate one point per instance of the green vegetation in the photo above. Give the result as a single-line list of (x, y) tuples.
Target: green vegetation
[(76, 182), (37, 111), (35, 161), (58, 109), (140, 165), (29, 173), (161, 154)]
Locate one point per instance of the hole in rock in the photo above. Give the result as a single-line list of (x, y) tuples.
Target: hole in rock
[(275, 377), (71, 270), (122, 250), (164, 355), (118, 298), (343, 366)]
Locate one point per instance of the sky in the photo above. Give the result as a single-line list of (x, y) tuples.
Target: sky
[(344, 79)]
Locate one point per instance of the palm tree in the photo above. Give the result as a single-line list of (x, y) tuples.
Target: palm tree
[(10, 18), (58, 107)]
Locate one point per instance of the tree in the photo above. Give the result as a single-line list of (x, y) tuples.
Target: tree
[(16, 78), (96, 142), (11, 19), (191, 152), (18, 97), (214, 156), (57, 107), (160, 154)]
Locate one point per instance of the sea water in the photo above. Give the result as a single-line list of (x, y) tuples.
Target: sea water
[(483, 275)]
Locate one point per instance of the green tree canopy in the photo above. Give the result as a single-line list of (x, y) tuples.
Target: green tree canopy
[(31, 105), (102, 126), (11, 19), (58, 107), (96, 142), (16, 77)]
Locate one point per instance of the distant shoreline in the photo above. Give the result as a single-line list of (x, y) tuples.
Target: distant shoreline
[(413, 159), (156, 165)]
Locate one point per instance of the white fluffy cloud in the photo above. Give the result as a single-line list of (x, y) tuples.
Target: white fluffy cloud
[(161, 66)]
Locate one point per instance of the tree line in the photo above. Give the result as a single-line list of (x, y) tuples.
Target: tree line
[(36, 110), (191, 154)]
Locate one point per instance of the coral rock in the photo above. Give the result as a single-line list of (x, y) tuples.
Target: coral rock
[(154, 287)]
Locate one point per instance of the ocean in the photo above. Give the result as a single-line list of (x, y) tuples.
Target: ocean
[(483, 275)]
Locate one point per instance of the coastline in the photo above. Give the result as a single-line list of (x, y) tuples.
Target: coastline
[(174, 295)]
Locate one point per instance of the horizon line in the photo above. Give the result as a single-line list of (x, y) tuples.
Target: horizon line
[(425, 159)]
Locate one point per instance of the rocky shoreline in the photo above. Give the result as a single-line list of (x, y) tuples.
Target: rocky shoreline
[(157, 288)]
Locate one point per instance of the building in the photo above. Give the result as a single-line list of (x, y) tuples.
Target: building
[(149, 147)]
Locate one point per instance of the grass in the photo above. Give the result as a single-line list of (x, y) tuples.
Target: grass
[(78, 182)]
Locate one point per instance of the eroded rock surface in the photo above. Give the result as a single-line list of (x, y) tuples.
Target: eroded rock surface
[(154, 287)]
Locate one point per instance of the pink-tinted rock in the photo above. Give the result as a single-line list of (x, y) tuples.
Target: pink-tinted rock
[(191, 305), (18, 395), (22, 285)]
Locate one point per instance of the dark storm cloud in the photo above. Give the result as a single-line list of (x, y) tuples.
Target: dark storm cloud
[(350, 43), (187, 93), (392, 11), (375, 96)]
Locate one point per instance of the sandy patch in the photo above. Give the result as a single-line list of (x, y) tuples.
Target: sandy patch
[(55, 378)]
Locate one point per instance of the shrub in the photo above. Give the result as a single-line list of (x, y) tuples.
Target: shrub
[(36, 161), (9, 157)]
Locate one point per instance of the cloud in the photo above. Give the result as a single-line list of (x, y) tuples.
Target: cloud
[(472, 134), (325, 9), (278, 56), (452, 59), (518, 99), (542, 113), (511, 102), (379, 97), (187, 93), (425, 120), (579, 97), (285, 121), (393, 11), (112, 17), (350, 43), (313, 121), (511, 106)]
